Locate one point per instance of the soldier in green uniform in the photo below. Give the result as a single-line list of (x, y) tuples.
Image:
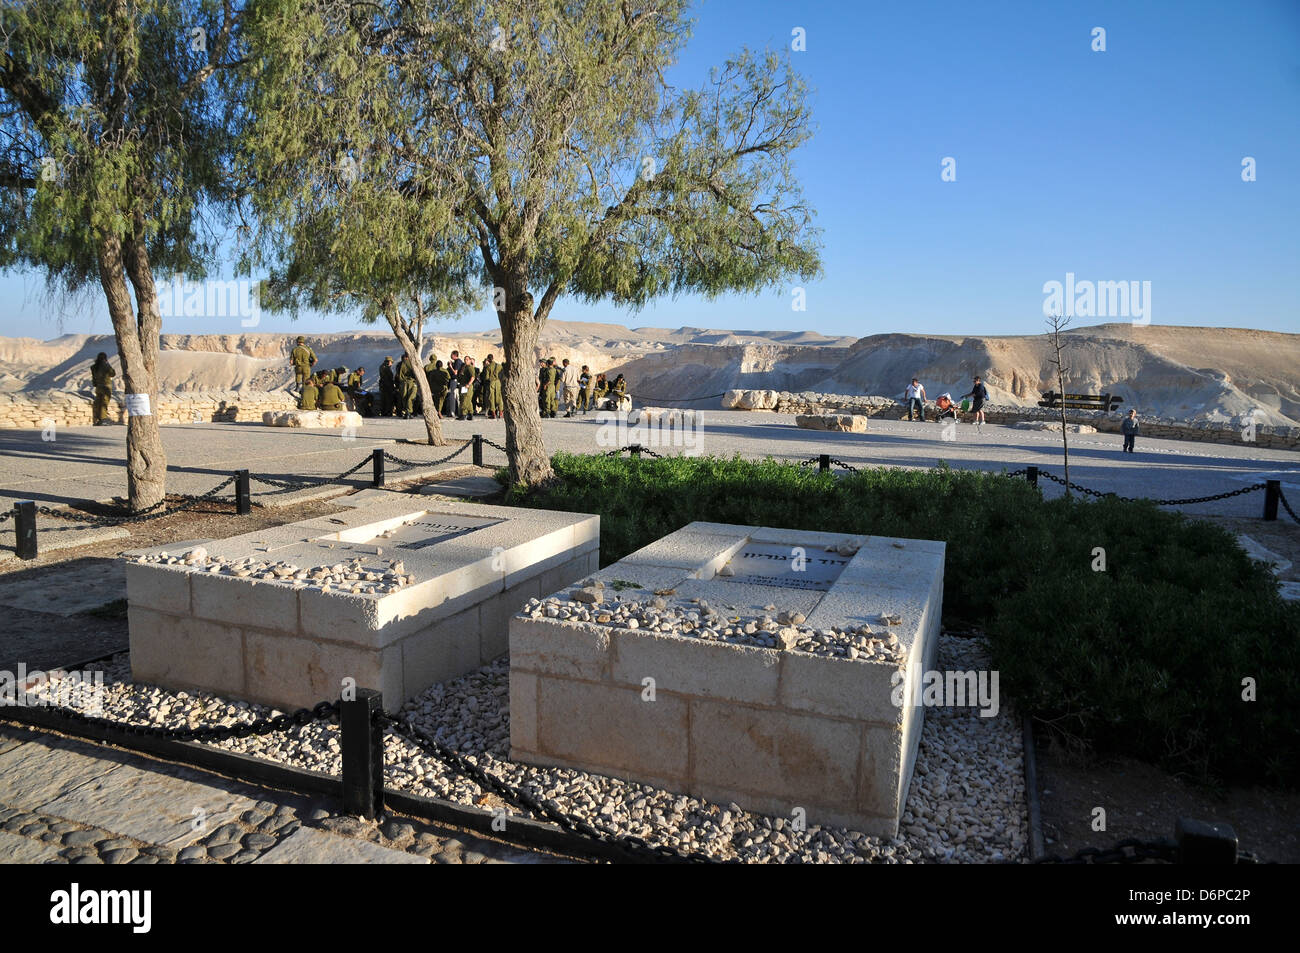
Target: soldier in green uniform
[(586, 387), (550, 377), (302, 358), (310, 395), (101, 374), (331, 397), (406, 387), (492, 377), (466, 378), (439, 381), (387, 388)]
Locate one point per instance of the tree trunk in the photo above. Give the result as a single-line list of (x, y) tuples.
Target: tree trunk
[(1060, 382), (137, 347), (520, 331), (432, 423)]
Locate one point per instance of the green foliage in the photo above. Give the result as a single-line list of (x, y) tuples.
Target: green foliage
[(1145, 657), (113, 124)]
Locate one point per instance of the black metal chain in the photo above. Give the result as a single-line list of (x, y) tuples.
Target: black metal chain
[(156, 511), (1128, 851), (1136, 499), (636, 848), (638, 448), (843, 465), (678, 400), (1016, 473), (1285, 505), (261, 726), (412, 464), (493, 443)]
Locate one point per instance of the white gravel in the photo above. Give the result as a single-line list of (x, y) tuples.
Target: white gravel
[(966, 802)]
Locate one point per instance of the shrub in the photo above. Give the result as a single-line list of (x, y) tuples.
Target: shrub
[(1145, 657)]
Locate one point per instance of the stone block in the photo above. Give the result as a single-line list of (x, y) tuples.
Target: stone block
[(645, 736), (185, 652), (291, 673), (313, 419), (165, 589), (692, 666), (572, 649)]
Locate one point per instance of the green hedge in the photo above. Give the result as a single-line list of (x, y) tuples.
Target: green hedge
[(1145, 657)]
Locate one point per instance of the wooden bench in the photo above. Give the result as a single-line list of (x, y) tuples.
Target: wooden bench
[(1103, 402)]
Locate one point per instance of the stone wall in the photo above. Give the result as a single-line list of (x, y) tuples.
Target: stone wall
[(36, 409), (784, 402)]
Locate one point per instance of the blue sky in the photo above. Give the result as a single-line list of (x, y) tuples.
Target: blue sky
[(1122, 165)]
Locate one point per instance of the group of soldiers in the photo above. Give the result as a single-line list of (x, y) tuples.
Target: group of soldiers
[(460, 388), (577, 391)]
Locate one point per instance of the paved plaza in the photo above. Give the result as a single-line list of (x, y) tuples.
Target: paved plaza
[(88, 463)]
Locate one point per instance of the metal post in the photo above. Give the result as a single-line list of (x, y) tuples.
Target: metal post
[(25, 529), (243, 501), (1204, 842), (824, 462), (1031, 474), (478, 450), (363, 754), (378, 458), (1272, 490), (636, 451)]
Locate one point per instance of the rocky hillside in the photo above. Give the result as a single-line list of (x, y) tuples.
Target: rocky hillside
[(1183, 372)]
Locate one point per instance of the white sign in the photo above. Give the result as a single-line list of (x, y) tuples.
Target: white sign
[(137, 405)]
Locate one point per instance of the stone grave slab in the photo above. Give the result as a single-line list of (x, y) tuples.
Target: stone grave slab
[(775, 661), (398, 595)]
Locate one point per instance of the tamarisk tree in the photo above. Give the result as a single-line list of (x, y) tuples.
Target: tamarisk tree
[(530, 148), (111, 136)]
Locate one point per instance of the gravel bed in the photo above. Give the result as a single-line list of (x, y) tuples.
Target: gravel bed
[(966, 802), (351, 576)]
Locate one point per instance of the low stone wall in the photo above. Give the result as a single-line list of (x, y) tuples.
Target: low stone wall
[(36, 409), (784, 402)]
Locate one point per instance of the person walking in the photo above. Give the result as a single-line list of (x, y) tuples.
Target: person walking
[(387, 388), (101, 375), (302, 358), (1130, 429), (569, 379), (978, 394), (915, 399), (492, 377)]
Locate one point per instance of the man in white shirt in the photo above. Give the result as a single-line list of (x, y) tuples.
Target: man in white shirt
[(569, 383), (915, 399)]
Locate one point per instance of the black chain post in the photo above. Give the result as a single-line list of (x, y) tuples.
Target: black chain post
[(478, 450), (1272, 490), (1205, 842), (824, 462), (635, 450), (1031, 475), (25, 529), (243, 500), (363, 753), (378, 457)]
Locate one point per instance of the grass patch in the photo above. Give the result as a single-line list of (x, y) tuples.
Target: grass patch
[(1145, 657)]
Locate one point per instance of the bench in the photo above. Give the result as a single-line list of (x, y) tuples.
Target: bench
[(1103, 402)]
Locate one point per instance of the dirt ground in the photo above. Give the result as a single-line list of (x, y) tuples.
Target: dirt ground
[(1142, 801)]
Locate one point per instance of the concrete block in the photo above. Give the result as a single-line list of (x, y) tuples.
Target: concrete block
[(767, 751), (839, 687), (164, 588), (236, 601), (317, 669), (573, 649), (690, 666), (448, 648), (523, 710), (645, 736), (701, 554), (185, 652)]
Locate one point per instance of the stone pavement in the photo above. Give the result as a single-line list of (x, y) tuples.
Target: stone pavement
[(68, 801), (87, 462)]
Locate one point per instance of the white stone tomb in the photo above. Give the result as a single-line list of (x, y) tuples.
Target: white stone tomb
[(630, 675), (399, 594)]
